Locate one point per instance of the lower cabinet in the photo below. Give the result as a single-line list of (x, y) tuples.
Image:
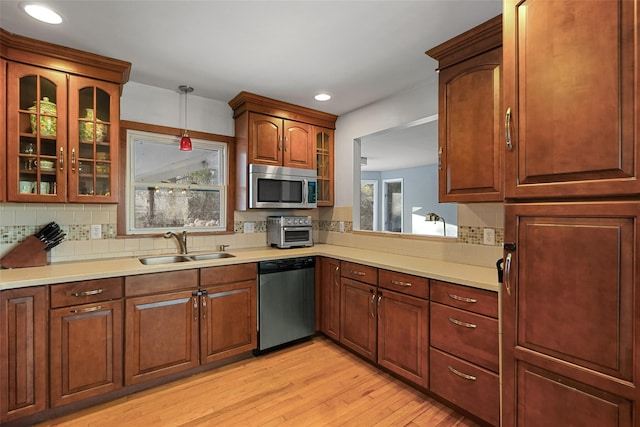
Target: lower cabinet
[(202, 316), (403, 335), (384, 321), (464, 349), (23, 352), (228, 315), (161, 335), (85, 339), (161, 318), (329, 283), (358, 325)]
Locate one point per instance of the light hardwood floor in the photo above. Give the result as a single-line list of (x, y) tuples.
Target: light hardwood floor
[(315, 383)]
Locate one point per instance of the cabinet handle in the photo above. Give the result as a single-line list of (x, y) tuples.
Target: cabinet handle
[(460, 323), (73, 159), (87, 310), (357, 273), (405, 284), (439, 158), (88, 293), (373, 298), (378, 307), (279, 143), (460, 374), (507, 274), (463, 299), (335, 275), (61, 159), (204, 306), (195, 308), (285, 142), (507, 129)]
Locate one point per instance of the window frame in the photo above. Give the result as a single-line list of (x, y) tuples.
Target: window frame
[(123, 180)]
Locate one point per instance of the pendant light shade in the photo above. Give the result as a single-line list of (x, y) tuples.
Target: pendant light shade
[(185, 141)]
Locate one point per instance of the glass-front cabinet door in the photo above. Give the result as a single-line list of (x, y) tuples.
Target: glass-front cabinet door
[(324, 165), (36, 134), (93, 135)]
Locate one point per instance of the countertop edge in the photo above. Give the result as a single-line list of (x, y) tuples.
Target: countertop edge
[(462, 274)]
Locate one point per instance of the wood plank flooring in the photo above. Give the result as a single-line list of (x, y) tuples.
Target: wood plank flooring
[(315, 383)]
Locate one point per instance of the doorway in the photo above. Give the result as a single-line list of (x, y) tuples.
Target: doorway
[(392, 211)]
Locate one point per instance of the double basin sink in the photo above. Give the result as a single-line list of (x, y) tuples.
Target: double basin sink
[(172, 259)]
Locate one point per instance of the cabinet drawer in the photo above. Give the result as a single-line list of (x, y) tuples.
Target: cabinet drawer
[(404, 283), (468, 335), (472, 299), (145, 284), (359, 272), (86, 292), (465, 385), (210, 276)]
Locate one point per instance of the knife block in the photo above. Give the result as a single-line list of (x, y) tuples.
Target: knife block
[(29, 253)]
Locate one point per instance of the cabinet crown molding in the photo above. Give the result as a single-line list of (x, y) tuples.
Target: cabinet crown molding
[(246, 101), (482, 38), (18, 48)]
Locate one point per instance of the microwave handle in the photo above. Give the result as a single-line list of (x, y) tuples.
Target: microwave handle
[(305, 192)]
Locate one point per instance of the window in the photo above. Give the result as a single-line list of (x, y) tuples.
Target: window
[(168, 189)]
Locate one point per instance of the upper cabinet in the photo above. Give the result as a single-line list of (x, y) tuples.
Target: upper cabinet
[(279, 142), (571, 115), (271, 132), (324, 164), (62, 113), (470, 167)]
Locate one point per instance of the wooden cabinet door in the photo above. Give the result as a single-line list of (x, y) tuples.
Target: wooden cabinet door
[(470, 132), (574, 123), (3, 125), (228, 323), (330, 297), (36, 134), (23, 352), (358, 317), (85, 351), (403, 335), (324, 164), (299, 148), (161, 335), (569, 307), (265, 139), (94, 117)]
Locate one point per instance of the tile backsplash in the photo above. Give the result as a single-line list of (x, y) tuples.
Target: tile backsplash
[(331, 225)]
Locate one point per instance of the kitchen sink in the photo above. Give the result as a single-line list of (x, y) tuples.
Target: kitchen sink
[(163, 259), (210, 255), (172, 259)]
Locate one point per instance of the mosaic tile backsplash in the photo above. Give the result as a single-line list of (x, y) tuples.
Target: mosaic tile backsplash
[(18, 221)]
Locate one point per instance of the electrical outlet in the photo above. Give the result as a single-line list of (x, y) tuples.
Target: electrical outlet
[(249, 227), (342, 226), (96, 231), (489, 236)]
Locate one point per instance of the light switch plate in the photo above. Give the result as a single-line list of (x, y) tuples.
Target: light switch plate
[(96, 231), (489, 236)]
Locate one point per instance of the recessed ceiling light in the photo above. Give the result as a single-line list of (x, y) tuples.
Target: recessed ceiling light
[(43, 13), (322, 97)]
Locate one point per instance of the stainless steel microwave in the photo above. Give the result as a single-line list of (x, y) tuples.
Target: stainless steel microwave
[(277, 187)]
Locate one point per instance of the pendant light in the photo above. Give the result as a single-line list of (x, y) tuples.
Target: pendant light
[(185, 141)]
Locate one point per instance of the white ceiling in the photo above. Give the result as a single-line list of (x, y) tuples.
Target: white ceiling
[(358, 51)]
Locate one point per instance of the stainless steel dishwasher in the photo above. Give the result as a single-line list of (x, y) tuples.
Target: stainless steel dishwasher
[(286, 301)]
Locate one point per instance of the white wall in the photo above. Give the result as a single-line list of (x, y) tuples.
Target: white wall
[(412, 104), (153, 105)]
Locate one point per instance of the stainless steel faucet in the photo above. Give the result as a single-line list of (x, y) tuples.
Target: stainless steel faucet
[(182, 241), (223, 247)]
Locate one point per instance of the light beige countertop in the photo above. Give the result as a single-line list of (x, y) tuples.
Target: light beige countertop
[(463, 274)]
